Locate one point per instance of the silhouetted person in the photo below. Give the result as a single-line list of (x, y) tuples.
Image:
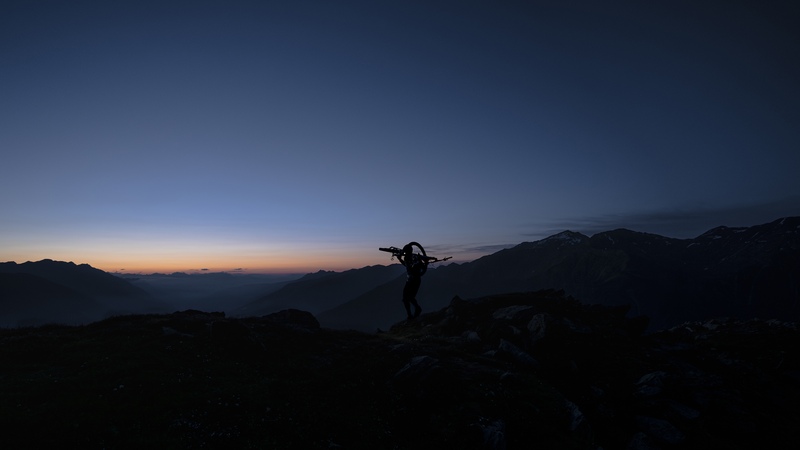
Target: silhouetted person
[(416, 266)]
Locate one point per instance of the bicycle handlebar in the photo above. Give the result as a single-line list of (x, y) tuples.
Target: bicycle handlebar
[(399, 252)]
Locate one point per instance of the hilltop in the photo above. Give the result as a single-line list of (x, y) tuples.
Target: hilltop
[(526, 370)]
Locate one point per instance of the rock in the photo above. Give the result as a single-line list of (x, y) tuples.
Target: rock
[(508, 313), (641, 441), (574, 327), (540, 326), (418, 369), (682, 411), (515, 354), (294, 317), (651, 384), (471, 336), (494, 435), (576, 418), (660, 429)]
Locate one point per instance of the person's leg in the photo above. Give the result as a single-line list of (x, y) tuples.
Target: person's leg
[(407, 304), (410, 296)]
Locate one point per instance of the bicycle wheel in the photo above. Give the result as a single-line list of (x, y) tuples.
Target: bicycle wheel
[(408, 249)]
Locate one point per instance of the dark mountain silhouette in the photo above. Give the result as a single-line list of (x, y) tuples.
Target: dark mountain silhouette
[(64, 292), (27, 300), (322, 290), (737, 272), (534, 370)]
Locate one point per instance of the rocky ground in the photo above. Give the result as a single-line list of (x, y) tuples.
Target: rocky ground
[(535, 370)]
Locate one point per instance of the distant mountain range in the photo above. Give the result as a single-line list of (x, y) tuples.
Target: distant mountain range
[(320, 291), (34, 293), (208, 291), (751, 272), (737, 272)]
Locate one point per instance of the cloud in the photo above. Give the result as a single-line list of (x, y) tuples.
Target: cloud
[(466, 251), (677, 223), (681, 223)]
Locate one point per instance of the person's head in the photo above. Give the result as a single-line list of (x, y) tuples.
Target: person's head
[(408, 250)]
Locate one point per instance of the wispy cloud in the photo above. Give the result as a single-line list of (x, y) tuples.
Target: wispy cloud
[(467, 251), (679, 223)]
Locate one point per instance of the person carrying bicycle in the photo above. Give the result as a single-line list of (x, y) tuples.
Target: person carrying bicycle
[(416, 265)]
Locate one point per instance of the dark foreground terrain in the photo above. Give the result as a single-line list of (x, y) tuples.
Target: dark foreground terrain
[(536, 370)]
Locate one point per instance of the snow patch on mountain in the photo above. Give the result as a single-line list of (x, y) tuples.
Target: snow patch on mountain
[(567, 237)]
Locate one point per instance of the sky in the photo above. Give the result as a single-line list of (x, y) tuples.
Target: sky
[(294, 136)]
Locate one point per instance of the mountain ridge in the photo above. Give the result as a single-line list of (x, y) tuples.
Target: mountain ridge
[(742, 272), (64, 292), (726, 271)]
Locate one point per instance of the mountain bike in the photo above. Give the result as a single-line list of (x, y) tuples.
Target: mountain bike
[(420, 256)]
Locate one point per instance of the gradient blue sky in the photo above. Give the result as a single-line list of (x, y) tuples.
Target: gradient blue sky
[(302, 135)]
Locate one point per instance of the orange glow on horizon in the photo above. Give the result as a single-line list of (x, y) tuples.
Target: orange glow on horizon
[(299, 265), (247, 264), (205, 255)]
